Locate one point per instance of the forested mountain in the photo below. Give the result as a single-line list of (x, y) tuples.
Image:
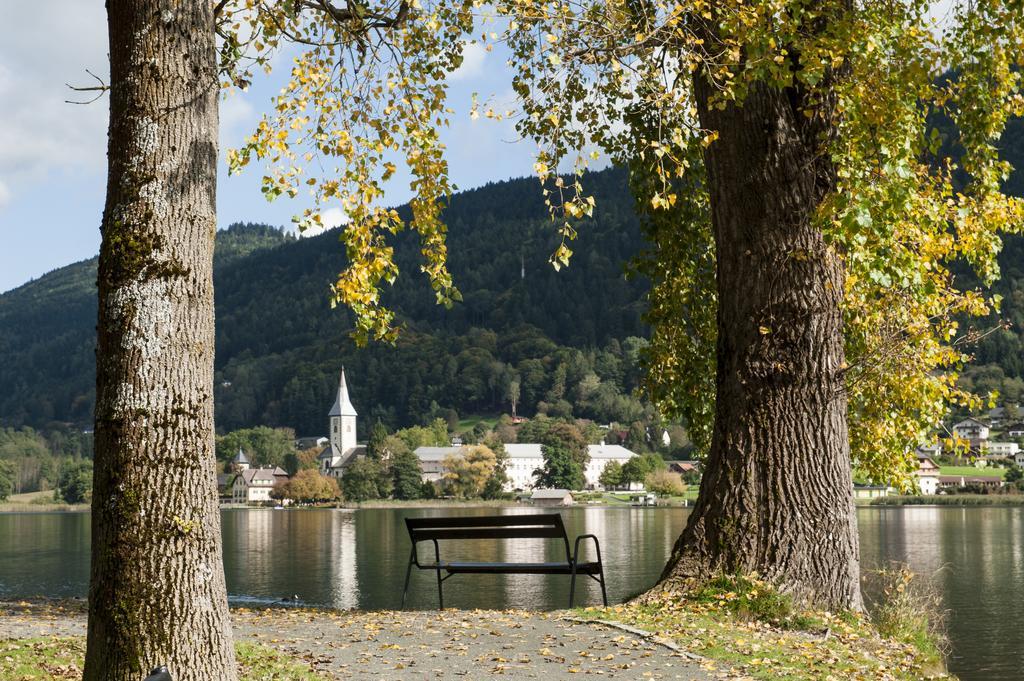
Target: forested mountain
[(562, 336), (569, 339)]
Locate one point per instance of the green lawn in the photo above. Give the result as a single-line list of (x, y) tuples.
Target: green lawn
[(470, 422), (625, 497), (972, 471)]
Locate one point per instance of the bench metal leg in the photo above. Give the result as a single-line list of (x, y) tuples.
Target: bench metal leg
[(437, 562), (604, 594), (408, 574), (572, 587)]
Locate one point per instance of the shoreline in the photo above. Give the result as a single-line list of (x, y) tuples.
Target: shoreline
[(935, 501), (953, 500), (20, 508)]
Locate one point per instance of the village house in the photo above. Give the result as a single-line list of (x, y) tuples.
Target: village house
[(551, 497), (997, 416), (1015, 429), (972, 429), (253, 485), (927, 475), (1001, 450), (431, 460), (870, 491), (342, 447), (684, 467)]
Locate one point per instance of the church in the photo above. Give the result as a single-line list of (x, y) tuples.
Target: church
[(342, 448)]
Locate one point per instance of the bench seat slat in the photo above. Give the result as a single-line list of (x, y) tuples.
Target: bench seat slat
[(515, 568), (539, 519), (487, 533)]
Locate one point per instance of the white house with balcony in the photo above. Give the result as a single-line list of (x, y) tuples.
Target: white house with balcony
[(971, 429)]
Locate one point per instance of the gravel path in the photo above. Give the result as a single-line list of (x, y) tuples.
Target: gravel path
[(419, 645)]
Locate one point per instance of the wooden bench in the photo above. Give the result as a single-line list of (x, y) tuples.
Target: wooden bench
[(520, 526)]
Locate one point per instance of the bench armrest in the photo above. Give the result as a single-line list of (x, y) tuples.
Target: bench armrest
[(576, 547), (415, 559)]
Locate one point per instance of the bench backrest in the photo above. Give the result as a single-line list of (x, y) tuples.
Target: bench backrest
[(519, 526)]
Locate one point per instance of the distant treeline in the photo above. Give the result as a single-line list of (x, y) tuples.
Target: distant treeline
[(32, 461)]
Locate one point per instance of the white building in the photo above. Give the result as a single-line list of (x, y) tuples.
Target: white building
[(431, 459), (253, 485), (523, 459), (342, 448), (1001, 449), (971, 429), (927, 475), (600, 456)]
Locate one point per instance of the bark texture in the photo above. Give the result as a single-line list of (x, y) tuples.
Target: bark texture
[(157, 593), (776, 496)]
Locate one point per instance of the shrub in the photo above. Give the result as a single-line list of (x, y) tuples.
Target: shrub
[(308, 486), (906, 607), (665, 483), (74, 486)]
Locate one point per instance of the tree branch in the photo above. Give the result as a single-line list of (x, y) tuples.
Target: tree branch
[(99, 89)]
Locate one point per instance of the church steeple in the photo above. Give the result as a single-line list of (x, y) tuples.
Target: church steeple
[(343, 420), (342, 405)]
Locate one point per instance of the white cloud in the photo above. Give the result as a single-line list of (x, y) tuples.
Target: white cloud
[(39, 132), (238, 119), (5, 194), (473, 57), (331, 218)]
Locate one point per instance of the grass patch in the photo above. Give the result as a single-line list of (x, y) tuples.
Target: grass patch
[(470, 422), (747, 598), (37, 502), (61, 658), (971, 471), (260, 663), (743, 624)]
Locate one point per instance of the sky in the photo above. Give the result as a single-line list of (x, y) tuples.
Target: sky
[(53, 154)]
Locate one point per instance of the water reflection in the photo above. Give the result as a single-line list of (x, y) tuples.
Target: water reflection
[(975, 555), (346, 559)]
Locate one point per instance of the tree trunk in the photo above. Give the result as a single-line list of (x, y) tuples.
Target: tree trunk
[(157, 592), (776, 497)]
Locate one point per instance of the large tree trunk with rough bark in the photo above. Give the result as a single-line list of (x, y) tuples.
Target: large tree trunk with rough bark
[(776, 496), (157, 593)]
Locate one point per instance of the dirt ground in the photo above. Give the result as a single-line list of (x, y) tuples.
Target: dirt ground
[(420, 645)]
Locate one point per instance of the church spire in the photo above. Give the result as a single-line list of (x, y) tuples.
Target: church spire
[(342, 405)]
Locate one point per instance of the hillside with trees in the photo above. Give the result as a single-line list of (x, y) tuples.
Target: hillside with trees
[(568, 340), (565, 342)]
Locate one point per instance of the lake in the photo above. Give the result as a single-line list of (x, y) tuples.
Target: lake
[(357, 559)]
